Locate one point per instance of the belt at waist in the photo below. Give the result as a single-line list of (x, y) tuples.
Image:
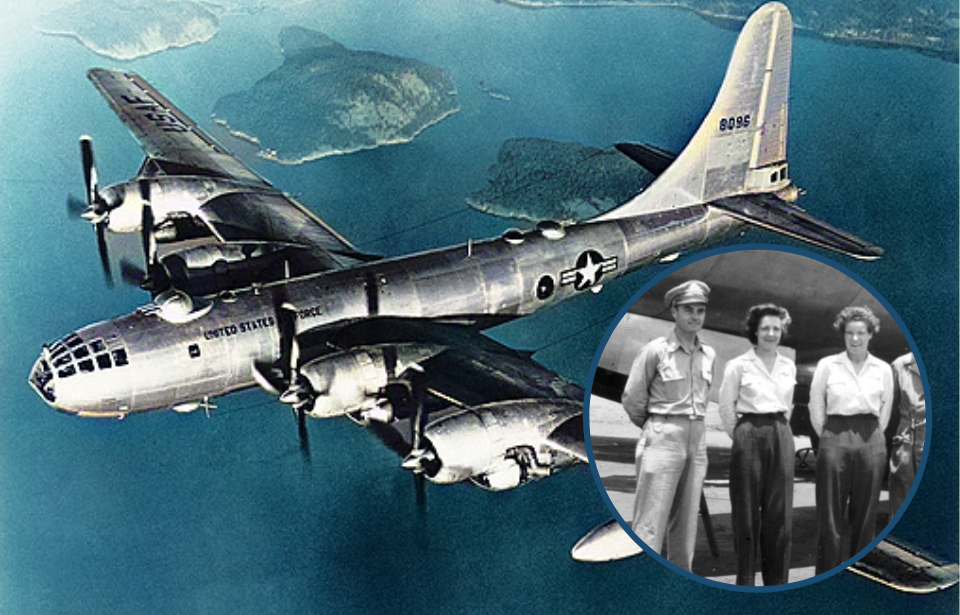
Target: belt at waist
[(762, 416), (689, 417), (863, 416)]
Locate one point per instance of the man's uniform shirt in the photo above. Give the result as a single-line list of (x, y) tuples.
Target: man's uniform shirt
[(667, 379)]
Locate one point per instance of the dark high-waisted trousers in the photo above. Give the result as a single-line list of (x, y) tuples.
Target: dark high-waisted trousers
[(761, 497), (850, 465)]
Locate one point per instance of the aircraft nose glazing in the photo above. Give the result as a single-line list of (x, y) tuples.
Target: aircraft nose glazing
[(41, 378)]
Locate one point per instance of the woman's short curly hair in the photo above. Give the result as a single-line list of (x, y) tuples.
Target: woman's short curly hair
[(756, 314), (854, 313)]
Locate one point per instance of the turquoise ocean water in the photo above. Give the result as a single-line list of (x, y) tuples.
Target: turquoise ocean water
[(166, 513)]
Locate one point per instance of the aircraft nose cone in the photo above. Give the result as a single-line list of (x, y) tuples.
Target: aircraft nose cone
[(42, 380)]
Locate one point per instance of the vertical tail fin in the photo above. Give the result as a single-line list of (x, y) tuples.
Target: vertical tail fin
[(741, 146)]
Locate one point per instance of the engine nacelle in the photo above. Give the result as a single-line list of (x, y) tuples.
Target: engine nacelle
[(353, 380), (500, 445), (211, 268)]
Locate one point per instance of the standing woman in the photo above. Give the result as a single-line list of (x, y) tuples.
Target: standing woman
[(850, 401), (756, 400)]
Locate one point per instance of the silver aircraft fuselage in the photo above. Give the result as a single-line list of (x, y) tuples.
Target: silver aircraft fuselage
[(176, 356)]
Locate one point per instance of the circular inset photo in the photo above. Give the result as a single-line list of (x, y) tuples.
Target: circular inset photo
[(757, 418)]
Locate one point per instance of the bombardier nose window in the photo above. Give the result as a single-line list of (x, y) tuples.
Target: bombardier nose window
[(87, 358)]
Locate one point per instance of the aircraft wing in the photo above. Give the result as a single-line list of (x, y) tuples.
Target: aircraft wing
[(906, 568), (467, 370), (245, 208), (164, 131), (892, 563)]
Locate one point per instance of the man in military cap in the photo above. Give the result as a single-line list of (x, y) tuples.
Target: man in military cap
[(666, 395)]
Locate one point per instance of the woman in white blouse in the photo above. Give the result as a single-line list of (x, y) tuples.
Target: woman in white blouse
[(756, 400), (850, 400)]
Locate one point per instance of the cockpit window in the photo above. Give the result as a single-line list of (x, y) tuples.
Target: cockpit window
[(87, 358), (120, 357)]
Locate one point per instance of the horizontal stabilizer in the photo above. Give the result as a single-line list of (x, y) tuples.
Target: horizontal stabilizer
[(605, 543), (775, 214), (650, 157), (906, 568)]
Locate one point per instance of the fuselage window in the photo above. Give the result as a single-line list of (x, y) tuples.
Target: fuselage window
[(86, 365), (119, 357), (194, 350), (103, 361)]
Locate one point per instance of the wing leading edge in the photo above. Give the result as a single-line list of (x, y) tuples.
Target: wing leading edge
[(163, 130)]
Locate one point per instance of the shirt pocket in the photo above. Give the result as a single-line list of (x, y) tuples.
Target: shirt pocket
[(841, 386), (673, 380), (872, 384), (750, 382), (706, 370)]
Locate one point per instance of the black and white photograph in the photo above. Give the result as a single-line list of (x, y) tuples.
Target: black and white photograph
[(758, 417)]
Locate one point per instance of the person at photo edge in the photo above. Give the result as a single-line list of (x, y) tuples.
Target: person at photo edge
[(666, 395), (910, 408), (756, 401), (851, 397)]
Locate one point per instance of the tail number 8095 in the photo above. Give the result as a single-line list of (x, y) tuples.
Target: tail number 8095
[(735, 122)]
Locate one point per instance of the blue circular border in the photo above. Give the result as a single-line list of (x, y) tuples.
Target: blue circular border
[(589, 388)]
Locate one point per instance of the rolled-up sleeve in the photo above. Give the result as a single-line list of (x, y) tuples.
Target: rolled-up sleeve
[(636, 395), (729, 393), (818, 397)]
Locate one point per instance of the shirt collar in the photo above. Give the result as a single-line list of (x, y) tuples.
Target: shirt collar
[(753, 356), (673, 342), (844, 359)]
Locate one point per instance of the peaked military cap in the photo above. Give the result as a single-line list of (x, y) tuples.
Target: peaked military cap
[(692, 291)]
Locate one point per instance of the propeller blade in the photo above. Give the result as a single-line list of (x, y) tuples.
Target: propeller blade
[(90, 173), (101, 228), (147, 238), (304, 435), (286, 326), (156, 279), (132, 274), (390, 437), (418, 416)]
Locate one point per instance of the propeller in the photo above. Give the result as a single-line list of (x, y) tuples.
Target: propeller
[(97, 211), (407, 395), (155, 280), (298, 393)]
